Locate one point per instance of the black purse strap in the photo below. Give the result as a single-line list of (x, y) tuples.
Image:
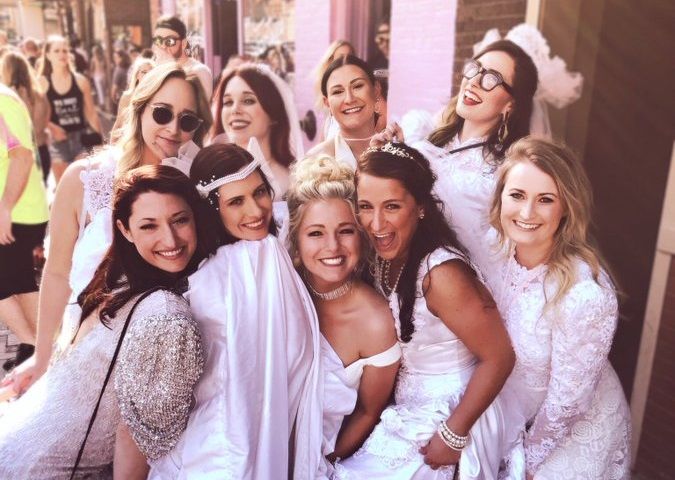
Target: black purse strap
[(107, 378), (467, 147)]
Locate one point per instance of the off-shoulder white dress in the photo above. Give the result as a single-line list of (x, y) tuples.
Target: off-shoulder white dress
[(570, 399), (150, 390)]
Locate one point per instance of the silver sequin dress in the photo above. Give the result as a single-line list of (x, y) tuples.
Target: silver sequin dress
[(151, 390)]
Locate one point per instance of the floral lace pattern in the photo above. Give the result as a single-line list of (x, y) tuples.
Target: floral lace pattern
[(98, 183), (567, 388)]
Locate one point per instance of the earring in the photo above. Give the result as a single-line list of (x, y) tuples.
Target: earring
[(421, 215), (503, 131)]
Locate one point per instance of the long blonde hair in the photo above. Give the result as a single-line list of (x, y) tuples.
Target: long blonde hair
[(130, 139), (572, 240)]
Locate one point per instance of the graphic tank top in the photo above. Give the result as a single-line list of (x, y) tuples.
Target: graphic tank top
[(67, 108)]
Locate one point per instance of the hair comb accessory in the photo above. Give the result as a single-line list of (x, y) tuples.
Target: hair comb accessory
[(183, 162), (396, 151)]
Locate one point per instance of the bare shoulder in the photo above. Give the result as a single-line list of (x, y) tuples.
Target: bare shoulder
[(374, 316), (327, 147), (82, 81), (453, 272)]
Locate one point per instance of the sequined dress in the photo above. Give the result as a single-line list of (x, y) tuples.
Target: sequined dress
[(436, 368), (566, 389), (150, 390), (465, 184)]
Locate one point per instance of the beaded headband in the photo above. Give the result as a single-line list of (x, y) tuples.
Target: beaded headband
[(259, 161)]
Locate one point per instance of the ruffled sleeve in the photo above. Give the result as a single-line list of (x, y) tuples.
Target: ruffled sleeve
[(582, 333), (157, 369)]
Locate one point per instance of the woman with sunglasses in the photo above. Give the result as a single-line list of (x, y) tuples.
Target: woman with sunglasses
[(71, 102), (252, 101), (128, 371), (167, 109), (257, 412), (491, 111)]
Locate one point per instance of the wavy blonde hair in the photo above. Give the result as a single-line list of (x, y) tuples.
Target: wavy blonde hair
[(320, 178), (130, 139), (572, 240)]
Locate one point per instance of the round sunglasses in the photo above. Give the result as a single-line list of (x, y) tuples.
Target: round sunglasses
[(490, 78), (187, 122), (165, 42)]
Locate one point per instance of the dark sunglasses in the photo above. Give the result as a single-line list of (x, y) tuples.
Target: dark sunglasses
[(166, 42), (188, 122), (490, 78)]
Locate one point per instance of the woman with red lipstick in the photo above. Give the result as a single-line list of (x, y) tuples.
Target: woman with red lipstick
[(252, 101), (260, 392), (560, 308), (359, 349), (167, 109), (491, 111), (352, 95), (127, 373), (456, 352), (71, 101)]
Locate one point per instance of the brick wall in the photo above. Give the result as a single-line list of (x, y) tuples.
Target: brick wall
[(474, 18), (656, 455)]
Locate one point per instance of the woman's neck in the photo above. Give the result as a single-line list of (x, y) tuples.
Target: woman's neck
[(532, 256), (358, 139), (475, 129), (59, 71), (149, 158)]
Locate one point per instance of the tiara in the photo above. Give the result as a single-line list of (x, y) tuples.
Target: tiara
[(390, 148)]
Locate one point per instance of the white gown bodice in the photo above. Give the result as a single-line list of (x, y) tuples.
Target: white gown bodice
[(568, 393), (465, 184)]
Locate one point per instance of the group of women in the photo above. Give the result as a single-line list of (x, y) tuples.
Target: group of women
[(456, 274)]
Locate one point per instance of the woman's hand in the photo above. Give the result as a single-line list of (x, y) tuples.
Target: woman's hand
[(393, 133), (58, 133), (437, 454), (24, 375)]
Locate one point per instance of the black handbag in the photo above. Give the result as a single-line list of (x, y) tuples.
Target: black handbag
[(90, 138)]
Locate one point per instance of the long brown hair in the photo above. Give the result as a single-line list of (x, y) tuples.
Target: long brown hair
[(270, 101), (572, 240), (18, 74), (46, 68), (525, 80), (123, 273)]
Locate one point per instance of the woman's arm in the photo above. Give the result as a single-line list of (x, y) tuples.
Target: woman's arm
[(464, 305), (55, 286), (582, 335), (129, 463), (89, 108), (375, 387)]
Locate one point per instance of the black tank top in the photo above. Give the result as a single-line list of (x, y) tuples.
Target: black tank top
[(67, 109)]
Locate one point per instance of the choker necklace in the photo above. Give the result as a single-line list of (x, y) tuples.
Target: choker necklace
[(340, 291)]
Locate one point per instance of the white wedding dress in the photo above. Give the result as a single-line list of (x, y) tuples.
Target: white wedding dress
[(341, 388), (436, 368), (262, 378), (567, 391)]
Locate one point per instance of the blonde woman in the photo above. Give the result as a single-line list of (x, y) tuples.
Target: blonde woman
[(138, 70), (71, 102), (560, 309), (167, 109), (16, 72), (359, 348)]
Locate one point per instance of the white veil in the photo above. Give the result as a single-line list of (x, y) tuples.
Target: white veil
[(557, 86)]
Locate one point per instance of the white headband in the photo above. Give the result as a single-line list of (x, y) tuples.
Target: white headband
[(259, 161)]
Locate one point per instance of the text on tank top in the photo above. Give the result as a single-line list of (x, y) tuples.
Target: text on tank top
[(67, 108)]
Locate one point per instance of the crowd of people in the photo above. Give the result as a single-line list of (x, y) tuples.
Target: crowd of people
[(397, 303)]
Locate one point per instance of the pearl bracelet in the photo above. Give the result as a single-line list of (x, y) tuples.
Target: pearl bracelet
[(451, 439)]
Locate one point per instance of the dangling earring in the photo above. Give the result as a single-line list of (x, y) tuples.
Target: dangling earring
[(377, 105), (503, 131)]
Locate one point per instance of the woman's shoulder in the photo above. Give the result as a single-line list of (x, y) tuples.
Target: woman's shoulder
[(163, 302), (590, 292), (441, 256), (374, 308)]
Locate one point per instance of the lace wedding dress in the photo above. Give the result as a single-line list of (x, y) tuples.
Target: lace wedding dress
[(436, 368), (150, 390), (567, 391)]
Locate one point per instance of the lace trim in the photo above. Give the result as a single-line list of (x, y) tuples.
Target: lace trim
[(98, 184)]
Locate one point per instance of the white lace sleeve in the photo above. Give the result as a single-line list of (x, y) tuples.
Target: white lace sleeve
[(582, 335)]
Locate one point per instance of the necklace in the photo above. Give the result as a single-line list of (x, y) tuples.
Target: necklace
[(340, 291), (382, 268)]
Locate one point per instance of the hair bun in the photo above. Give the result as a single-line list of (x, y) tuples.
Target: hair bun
[(319, 170)]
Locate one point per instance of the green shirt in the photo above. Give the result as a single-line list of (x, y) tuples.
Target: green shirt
[(16, 130)]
